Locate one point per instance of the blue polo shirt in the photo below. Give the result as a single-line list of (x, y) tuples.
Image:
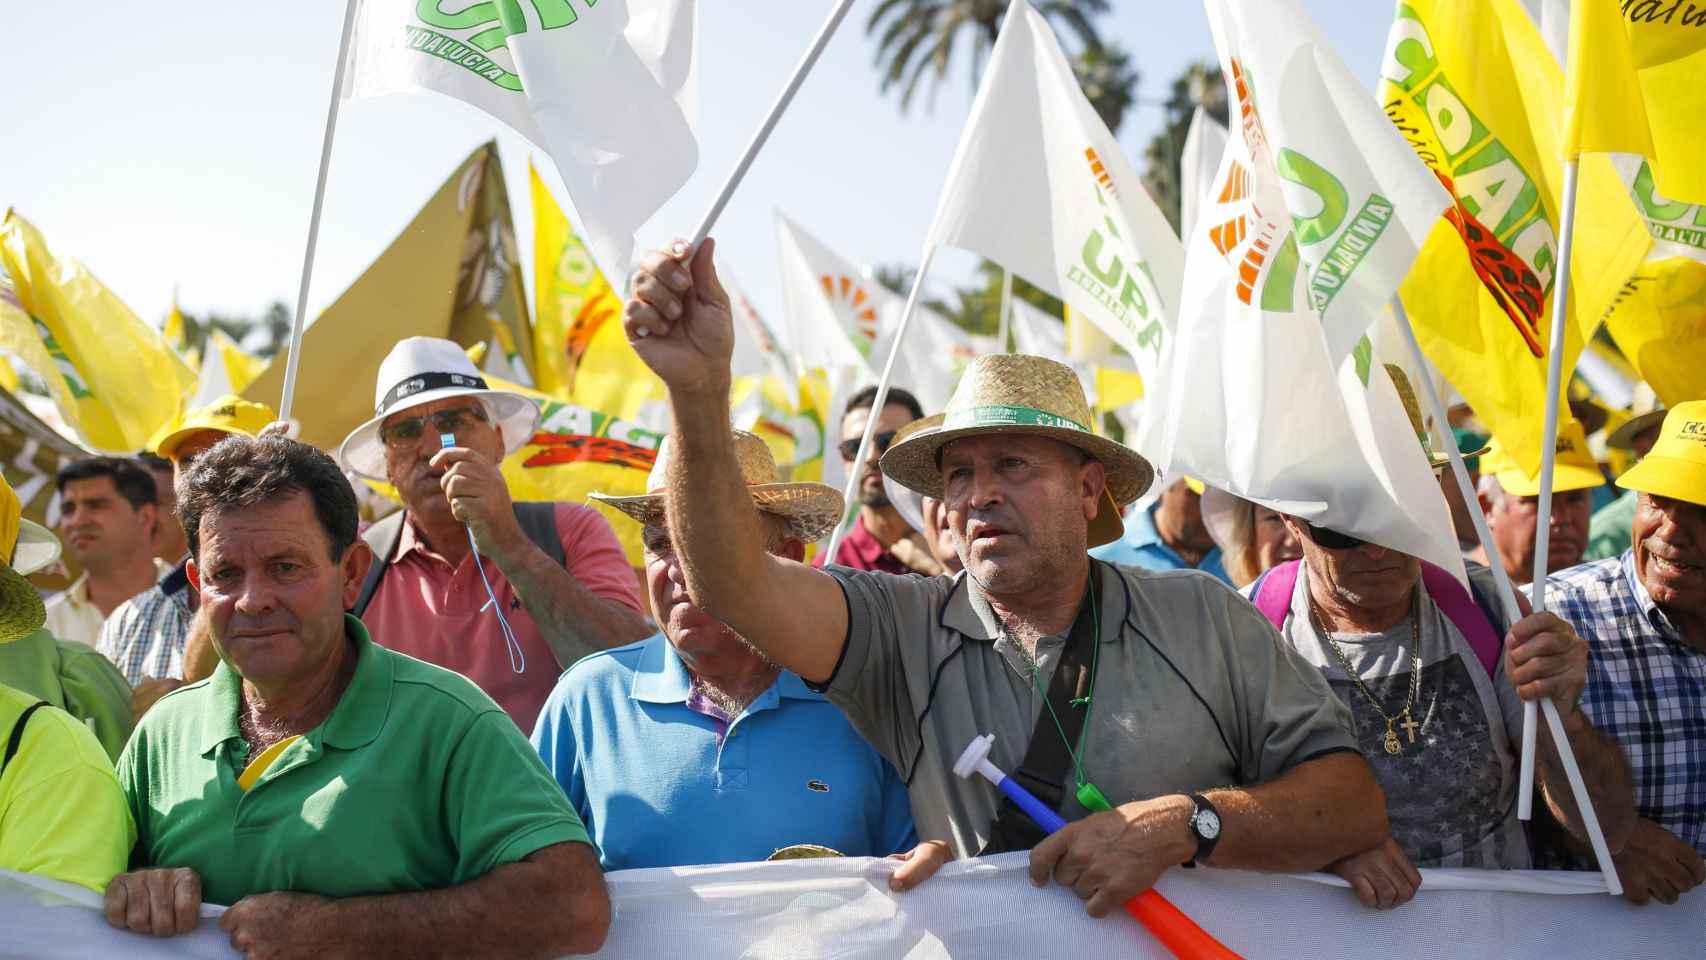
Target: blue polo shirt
[(657, 788), (1142, 546)]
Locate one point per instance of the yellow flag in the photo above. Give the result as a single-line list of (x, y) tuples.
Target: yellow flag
[(1659, 322), (1637, 74), (1117, 389), (177, 336), (113, 377), (577, 451), (420, 285), (572, 300), (241, 368), (1480, 99)]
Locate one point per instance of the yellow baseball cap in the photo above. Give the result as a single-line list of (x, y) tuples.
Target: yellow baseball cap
[(21, 610), (1574, 469), (1676, 467), (228, 414)]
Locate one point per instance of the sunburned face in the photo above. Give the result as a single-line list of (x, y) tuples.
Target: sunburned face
[(1019, 507), (708, 647), (1670, 553), (408, 461), (1366, 576)]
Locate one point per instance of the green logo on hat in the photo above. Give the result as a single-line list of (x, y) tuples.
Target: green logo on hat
[(1008, 416)]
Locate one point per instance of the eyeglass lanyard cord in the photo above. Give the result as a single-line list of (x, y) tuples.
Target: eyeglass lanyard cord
[(1086, 701), (517, 658)]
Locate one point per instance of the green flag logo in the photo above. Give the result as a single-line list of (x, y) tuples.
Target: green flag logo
[(474, 37)]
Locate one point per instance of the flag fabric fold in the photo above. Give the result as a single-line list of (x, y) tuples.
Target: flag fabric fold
[(605, 88)]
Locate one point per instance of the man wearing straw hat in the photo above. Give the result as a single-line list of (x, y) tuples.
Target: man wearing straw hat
[(507, 594), (1644, 617), (1509, 496), (691, 746), (1417, 660), (62, 814), (1202, 737)]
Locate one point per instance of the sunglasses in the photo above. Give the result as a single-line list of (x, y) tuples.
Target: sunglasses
[(1332, 539), (405, 433), (881, 441)]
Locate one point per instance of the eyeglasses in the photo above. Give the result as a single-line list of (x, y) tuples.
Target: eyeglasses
[(1332, 539), (405, 433), (881, 441)]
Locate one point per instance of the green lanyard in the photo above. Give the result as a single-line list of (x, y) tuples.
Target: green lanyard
[(1089, 795)]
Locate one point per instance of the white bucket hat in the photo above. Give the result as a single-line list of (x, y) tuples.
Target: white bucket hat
[(417, 371)]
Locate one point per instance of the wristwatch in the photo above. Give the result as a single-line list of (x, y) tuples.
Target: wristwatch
[(1205, 826)]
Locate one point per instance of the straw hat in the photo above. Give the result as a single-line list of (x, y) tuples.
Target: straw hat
[(27, 547), (1011, 393), (1676, 467), (1574, 467), (417, 371), (1413, 410), (811, 509), (1647, 412), (229, 414)]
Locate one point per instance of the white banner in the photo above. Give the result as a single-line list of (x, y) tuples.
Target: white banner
[(988, 908)]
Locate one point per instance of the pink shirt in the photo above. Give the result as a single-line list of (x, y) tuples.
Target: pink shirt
[(431, 611)]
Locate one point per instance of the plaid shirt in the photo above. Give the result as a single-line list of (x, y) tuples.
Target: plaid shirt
[(1646, 688), (144, 636)]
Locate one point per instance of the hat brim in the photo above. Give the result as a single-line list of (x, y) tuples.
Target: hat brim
[(1671, 477), (363, 453), (36, 550), (1565, 477), (21, 609), (811, 509), (1442, 461), (1623, 438), (914, 462)]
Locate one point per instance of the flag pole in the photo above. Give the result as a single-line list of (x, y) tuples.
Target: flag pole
[(1006, 307), (293, 358), (1507, 600), (801, 69), (857, 472), (1548, 458)]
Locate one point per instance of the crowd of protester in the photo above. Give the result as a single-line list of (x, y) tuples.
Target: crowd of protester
[(232, 696)]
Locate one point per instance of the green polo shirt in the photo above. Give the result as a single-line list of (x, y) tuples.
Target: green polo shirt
[(416, 781)]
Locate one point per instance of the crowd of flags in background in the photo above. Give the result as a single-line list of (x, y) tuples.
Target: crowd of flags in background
[(1252, 351)]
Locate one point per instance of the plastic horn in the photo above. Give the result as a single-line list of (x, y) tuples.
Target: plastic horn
[(1165, 922)]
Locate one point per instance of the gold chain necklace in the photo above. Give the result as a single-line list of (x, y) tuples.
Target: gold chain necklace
[(1393, 746)]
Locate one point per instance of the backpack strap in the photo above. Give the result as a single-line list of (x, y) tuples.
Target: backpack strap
[(382, 537), (537, 520), (1273, 592), (1467, 613), (16, 740)]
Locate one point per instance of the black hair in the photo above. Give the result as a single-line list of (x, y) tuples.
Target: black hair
[(243, 472), (133, 483), (866, 398)]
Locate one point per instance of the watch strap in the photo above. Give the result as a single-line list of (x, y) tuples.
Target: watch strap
[(1205, 843)]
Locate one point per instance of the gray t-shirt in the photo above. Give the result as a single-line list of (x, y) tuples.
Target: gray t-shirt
[(1193, 690), (1450, 795)]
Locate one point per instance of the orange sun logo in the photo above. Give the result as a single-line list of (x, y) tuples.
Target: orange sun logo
[(852, 300)]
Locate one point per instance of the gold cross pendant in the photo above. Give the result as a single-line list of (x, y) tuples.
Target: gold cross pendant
[(1410, 726)]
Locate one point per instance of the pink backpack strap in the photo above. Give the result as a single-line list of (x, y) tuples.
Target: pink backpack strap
[(1273, 592), (1468, 616)]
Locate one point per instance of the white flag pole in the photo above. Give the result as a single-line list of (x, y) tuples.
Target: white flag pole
[(857, 471), (1548, 456), (803, 68), (293, 358), (1006, 307), (1507, 600)]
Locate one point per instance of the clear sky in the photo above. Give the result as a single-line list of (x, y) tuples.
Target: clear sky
[(175, 145)]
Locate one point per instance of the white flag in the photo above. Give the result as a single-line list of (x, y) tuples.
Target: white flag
[(1205, 142), (1040, 186), (1358, 201), (940, 351), (1038, 334), (1260, 409), (835, 313), (760, 349), (603, 86)]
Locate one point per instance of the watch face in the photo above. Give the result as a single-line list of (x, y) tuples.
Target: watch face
[(1208, 824)]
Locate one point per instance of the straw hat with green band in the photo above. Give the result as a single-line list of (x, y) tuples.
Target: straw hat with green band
[(1646, 412), (1016, 394), (25, 547), (1676, 467)]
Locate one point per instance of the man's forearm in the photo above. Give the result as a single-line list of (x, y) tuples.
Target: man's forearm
[(718, 537), (551, 904), (575, 621), (1605, 772), (1312, 815)]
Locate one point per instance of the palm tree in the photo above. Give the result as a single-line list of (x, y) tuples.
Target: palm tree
[(916, 37)]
